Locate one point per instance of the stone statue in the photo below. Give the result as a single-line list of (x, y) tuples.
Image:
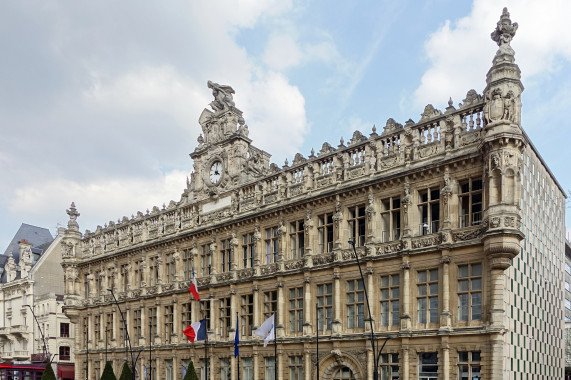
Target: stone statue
[(505, 30), (222, 96)]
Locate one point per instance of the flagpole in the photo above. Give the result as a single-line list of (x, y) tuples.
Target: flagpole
[(276, 344), (317, 339), (150, 350), (237, 356)]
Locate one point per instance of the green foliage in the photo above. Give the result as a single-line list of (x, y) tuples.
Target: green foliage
[(126, 373), (190, 372), (48, 373), (108, 372)]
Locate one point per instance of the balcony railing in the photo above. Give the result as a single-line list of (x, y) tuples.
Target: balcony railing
[(467, 220), (394, 234), (21, 354), (429, 228)]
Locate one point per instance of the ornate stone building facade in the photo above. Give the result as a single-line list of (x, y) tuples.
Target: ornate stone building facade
[(458, 224)]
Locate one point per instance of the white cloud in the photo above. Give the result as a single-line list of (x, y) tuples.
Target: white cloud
[(461, 52), (282, 52), (99, 201)]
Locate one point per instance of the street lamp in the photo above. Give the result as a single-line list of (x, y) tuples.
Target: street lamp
[(129, 347), (377, 357), (46, 353)]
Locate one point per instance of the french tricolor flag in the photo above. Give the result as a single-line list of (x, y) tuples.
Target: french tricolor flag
[(194, 287), (196, 331)]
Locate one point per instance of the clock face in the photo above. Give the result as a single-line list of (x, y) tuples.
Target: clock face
[(216, 172)]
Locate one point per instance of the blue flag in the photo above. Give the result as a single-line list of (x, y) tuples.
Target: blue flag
[(183, 371), (237, 338), (145, 371)]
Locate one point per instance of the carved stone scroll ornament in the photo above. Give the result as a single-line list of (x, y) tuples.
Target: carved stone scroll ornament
[(357, 138), (430, 112), (391, 126)]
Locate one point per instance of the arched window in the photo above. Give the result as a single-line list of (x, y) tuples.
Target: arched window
[(343, 373)]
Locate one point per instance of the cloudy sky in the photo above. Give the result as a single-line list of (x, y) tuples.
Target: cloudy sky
[(99, 100)]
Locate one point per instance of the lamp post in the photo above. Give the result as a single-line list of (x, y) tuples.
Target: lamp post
[(377, 357), (46, 353), (128, 345)]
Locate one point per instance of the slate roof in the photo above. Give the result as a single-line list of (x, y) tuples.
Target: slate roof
[(39, 237)]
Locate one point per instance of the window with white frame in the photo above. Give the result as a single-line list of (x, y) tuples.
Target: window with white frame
[(429, 210)]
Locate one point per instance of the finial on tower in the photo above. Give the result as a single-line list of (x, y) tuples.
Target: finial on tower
[(505, 29)]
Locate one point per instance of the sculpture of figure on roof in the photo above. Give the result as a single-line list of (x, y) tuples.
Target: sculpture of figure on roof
[(222, 96)]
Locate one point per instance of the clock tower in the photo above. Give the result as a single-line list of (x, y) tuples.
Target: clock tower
[(225, 157)]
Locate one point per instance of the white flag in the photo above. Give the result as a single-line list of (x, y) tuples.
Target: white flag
[(266, 330)]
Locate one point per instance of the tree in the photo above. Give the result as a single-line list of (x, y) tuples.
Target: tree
[(126, 373), (48, 373), (190, 372), (108, 372)]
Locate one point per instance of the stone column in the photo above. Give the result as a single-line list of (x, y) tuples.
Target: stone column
[(177, 321), (144, 326), (336, 324), (157, 338), (406, 317), (404, 370), (280, 329), (370, 363), (257, 311), (255, 364), (280, 361), (445, 317), (446, 363), (308, 368), (371, 292), (308, 309)]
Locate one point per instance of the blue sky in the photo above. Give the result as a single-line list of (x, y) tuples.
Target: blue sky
[(99, 101)]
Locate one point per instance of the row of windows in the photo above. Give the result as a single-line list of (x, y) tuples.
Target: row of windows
[(468, 364), (427, 301), (470, 203)]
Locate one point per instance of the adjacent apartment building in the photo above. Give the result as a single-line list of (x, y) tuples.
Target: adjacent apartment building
[(458, 225), (33, 327)]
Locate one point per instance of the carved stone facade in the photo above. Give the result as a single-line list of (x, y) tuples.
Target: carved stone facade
[(438, 209)]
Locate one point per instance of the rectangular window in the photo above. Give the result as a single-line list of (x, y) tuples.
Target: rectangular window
[(390, 294), (186, 314), (86, 289), (125, 277), (153, 270), (429, 211), (152, 321), (96, 328), (567, 304), (225, 255), (137, 272), (109, 326), (248, 249), (187, 264), (136, 326), (469, 365), (427, 296), (169, 323), (325, 232), (206, 260), (428, 366), (567, 268), (225, 317), (170, 267), (470, 292), (64, 330), (205, 311), (247, 315), (64, 353), (247, 369), (271, 245), (205, 369), (470, 199), (324, 306), (296, 367), (98, 283), (296, 310), (270, 303), (357, 224), (389, 366), (224, 369), (169, 369), (297, 239), (270, 368), (390, 217), (355, 304)]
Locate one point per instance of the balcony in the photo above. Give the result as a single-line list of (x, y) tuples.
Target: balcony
[(21, 355), (391, 235), (18, 330), (467, 220), (4, 331), (7, 355)]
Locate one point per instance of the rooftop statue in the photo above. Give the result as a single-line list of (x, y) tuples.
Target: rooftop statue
[(505, 30), (222, 96)]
